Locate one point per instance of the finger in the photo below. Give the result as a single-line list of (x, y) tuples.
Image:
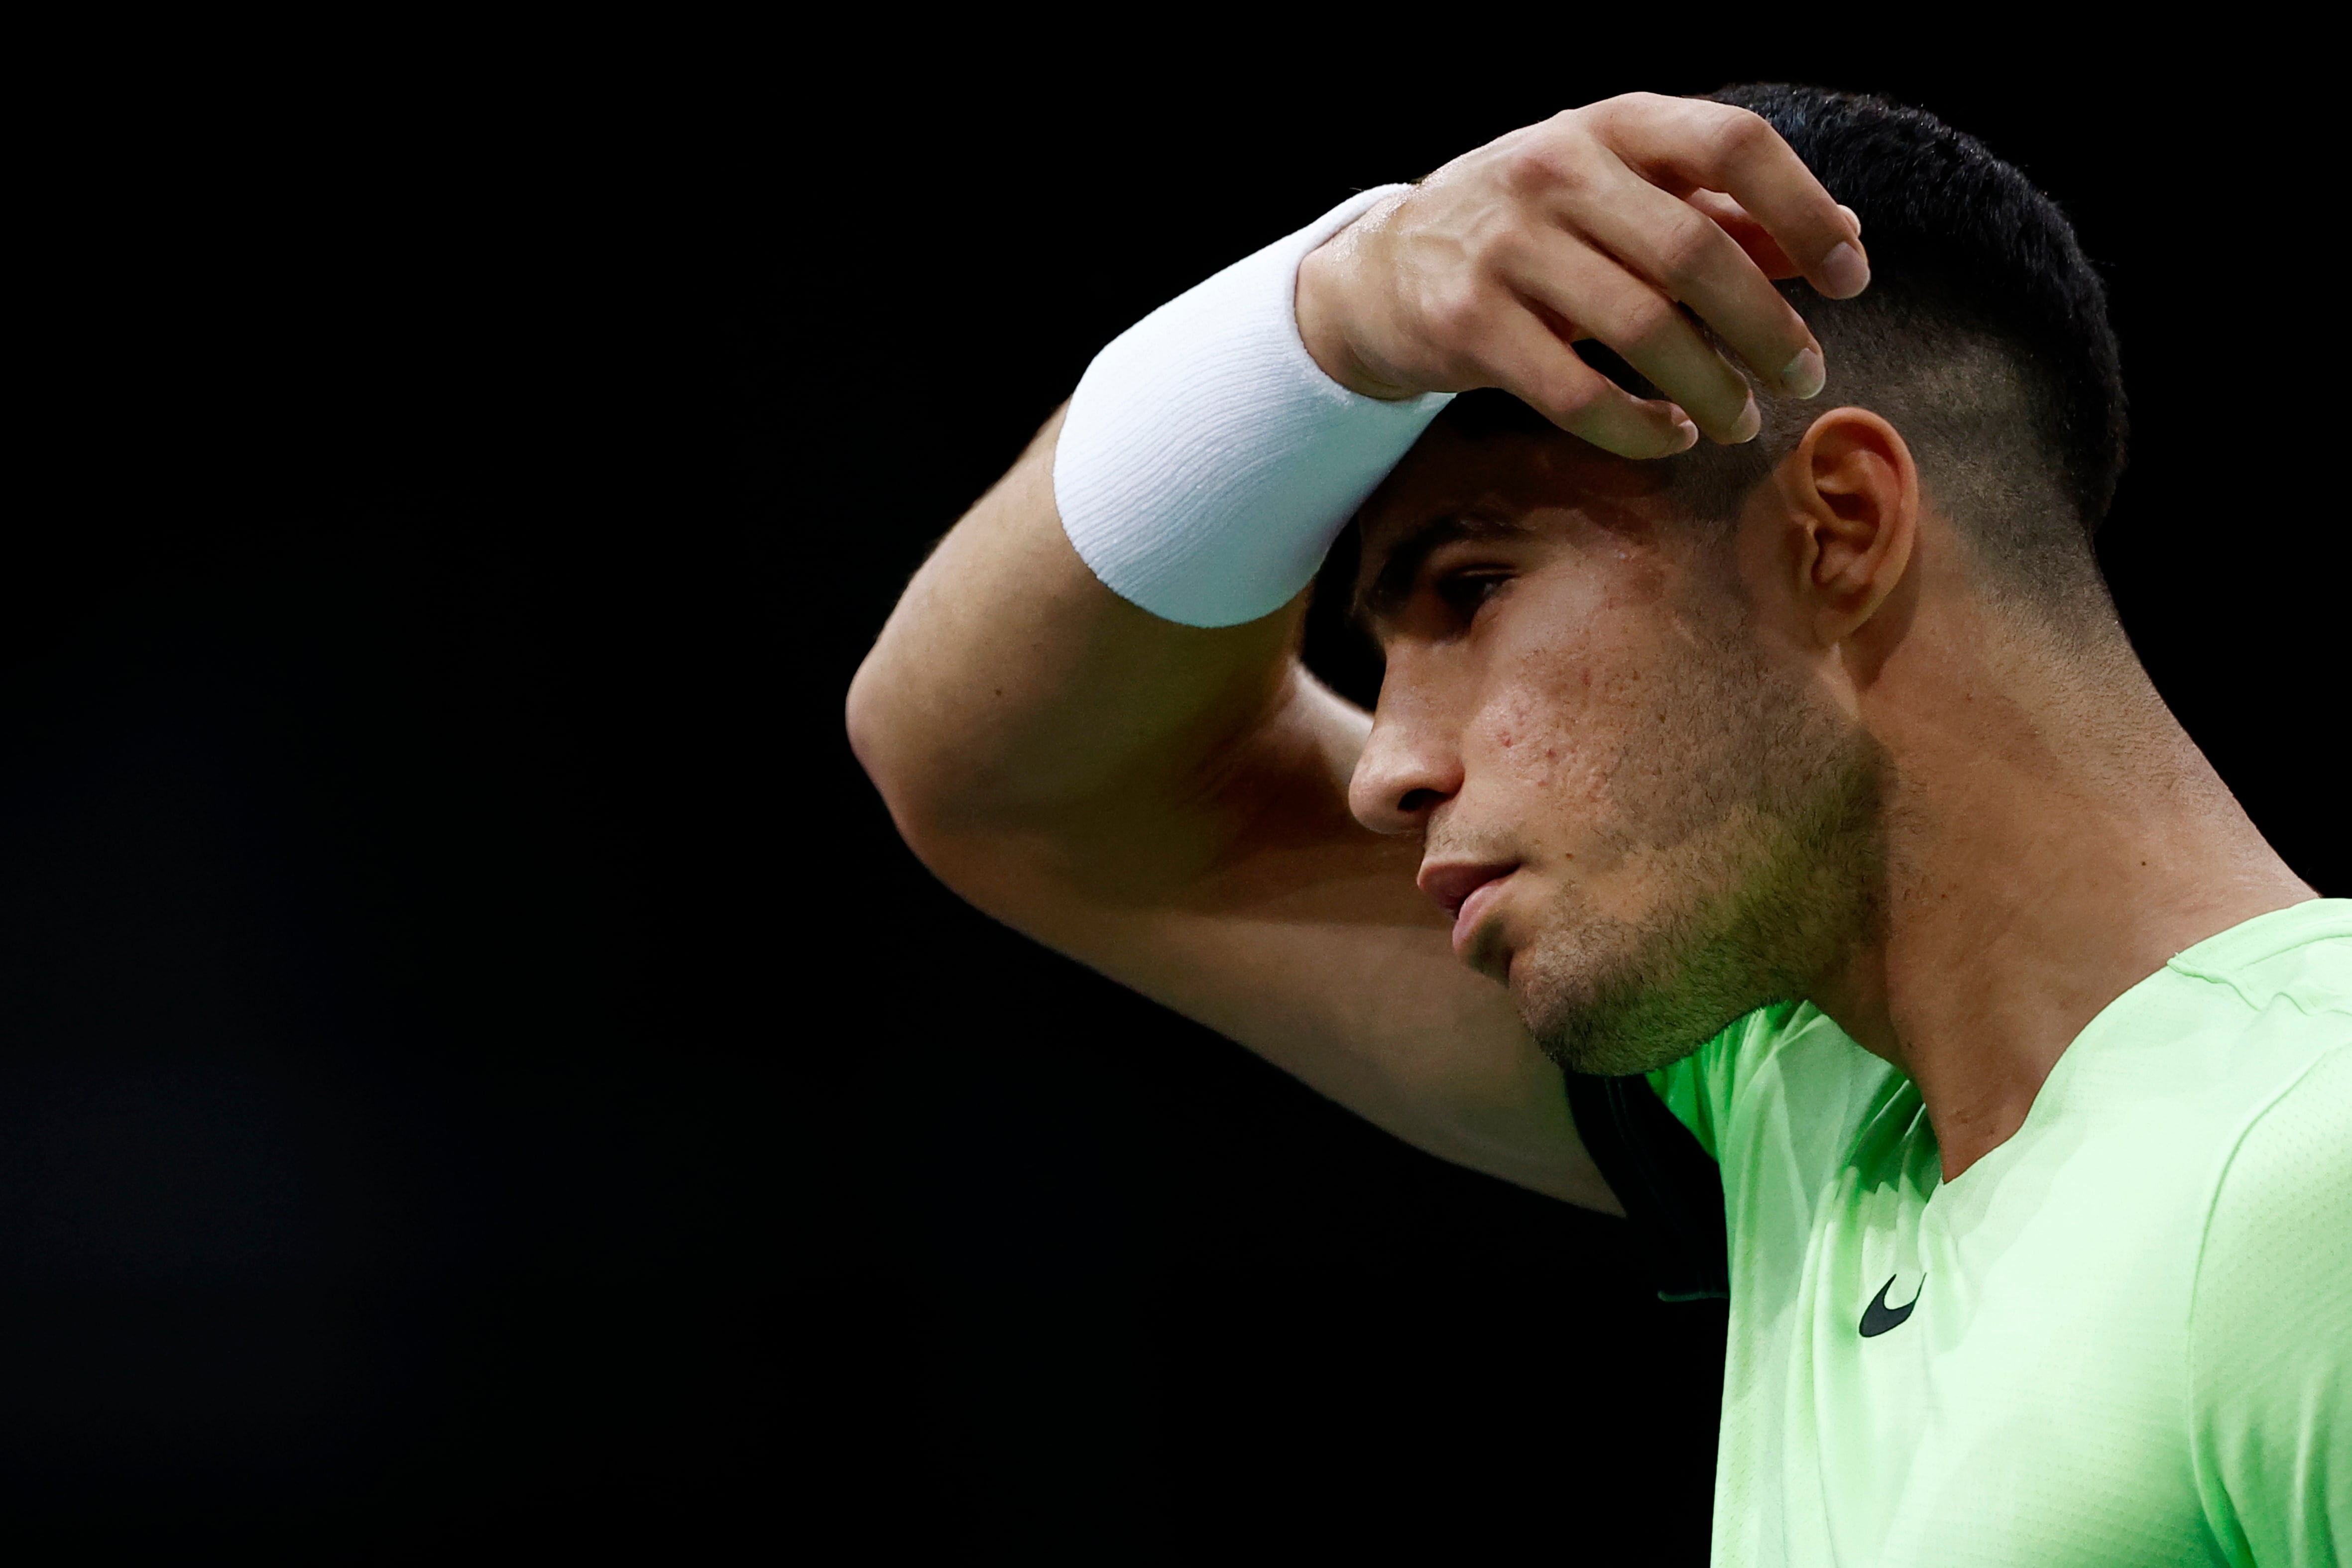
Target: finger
[(1685, 144), (1746, 232), (1567, 277), (1532, 360), (1750, 236), (1682, 251)]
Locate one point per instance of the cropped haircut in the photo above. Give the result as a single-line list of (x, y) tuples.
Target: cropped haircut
[(1983, 338)]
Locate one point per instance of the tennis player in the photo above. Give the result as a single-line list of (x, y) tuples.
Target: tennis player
[(1760, 765)]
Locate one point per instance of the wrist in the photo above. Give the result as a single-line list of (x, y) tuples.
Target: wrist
[(1208, 459), (1327, 288)]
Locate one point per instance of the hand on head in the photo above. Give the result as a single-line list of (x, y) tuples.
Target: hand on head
[(1603, 222)]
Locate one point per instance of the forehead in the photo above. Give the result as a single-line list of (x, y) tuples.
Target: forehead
[(1451, 485)]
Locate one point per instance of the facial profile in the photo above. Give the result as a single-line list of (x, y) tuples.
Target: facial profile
[(1646, 820), (1640, 798)]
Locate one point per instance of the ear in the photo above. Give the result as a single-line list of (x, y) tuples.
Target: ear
[(1850, 492)]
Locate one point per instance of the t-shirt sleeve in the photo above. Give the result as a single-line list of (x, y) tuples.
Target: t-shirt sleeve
[(2270, 1332)]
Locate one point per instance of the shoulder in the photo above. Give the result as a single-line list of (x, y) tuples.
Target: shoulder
[(2282, 1210), (2296, 960), (2223, 1086), (2192, 1079), (2260, 1054), (2270, 1351)]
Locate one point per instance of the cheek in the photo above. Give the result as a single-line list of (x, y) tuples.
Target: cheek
[(1592, 742), (1575, 713), (1549, 734)]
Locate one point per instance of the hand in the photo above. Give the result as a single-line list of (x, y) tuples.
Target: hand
[(1598, 223)]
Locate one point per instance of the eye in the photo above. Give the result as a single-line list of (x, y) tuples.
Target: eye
[(1464, 591)]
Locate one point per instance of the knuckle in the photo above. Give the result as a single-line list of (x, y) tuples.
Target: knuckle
[(1626, 105), (1570, 398), (1538, 163), (1558, 153), (1736, 134), (1645, 319), (1453, 313), (1496, 247), (1592, 120), (1689, 249)]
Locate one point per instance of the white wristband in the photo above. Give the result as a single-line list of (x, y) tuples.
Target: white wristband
[(1207, 462)]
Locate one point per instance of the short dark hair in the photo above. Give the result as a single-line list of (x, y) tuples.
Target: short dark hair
[(1983, 336)]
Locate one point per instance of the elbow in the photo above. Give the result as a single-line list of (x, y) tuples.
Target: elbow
[(888, 745), (878, 739), (865, 715), (921, 763)]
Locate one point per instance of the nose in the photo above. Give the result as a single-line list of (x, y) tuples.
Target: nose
[(1410, 765)]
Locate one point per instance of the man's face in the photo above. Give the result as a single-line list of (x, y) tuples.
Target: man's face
[(1647, 819)]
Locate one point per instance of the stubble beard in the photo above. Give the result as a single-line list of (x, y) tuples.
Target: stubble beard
[(1764, 825)]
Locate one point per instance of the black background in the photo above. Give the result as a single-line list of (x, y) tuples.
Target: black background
[(475, 1061)]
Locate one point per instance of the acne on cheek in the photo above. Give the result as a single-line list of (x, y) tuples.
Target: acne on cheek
[(1564, 677), (1560, 736), (1530, 734)]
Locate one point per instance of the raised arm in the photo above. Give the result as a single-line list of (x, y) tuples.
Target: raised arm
[(1168, 805), (1168, 802)]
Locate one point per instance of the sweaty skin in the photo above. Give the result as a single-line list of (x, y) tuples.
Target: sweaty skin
[(1642, 821), (1960, 838), (1814, 747)]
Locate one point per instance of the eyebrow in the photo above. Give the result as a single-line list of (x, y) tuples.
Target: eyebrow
[(1387, 592)]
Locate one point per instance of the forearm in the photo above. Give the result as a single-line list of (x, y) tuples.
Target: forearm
[(1101, 652)]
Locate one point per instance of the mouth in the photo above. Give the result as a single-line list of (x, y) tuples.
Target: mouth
[(1467, 892)]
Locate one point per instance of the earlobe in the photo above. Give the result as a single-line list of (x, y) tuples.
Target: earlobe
[(1852, 491)]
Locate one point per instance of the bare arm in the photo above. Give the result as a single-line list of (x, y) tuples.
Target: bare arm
[(1168, 804)]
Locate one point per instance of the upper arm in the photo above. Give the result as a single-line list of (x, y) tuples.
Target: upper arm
[(1308, 941), (1168, 804)]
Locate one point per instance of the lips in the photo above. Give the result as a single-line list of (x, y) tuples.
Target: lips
[(1466, 891)]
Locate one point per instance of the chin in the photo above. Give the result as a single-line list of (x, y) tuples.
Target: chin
[(1733, 930), (1619, 1001), (1613, 1043)]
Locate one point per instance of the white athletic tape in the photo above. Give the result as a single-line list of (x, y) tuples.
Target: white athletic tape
[(1207, 462)]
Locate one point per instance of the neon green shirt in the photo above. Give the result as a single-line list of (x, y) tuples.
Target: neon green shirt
[(2130, 1335)]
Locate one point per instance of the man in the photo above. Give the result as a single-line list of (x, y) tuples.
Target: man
[(1782, 749)]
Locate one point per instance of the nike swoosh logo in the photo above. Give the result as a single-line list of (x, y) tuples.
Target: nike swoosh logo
[(1878, 1317)]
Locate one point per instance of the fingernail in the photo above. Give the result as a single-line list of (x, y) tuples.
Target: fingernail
[(1845, 272), (1853, 218), (1751, 420), (1685, 436), (1805, 375)]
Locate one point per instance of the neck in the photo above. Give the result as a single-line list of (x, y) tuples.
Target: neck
[(2052, 838)]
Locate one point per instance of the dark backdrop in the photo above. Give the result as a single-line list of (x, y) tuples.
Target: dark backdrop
[(473, 1058)]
